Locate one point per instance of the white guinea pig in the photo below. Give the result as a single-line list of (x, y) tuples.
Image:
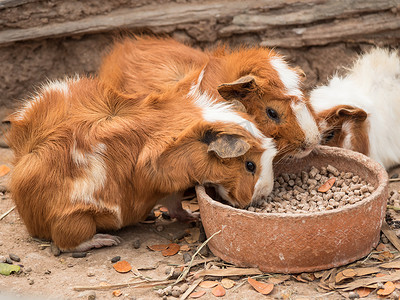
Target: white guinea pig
[(361, 111)]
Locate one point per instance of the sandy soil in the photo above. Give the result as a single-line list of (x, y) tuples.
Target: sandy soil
[(45, 276)]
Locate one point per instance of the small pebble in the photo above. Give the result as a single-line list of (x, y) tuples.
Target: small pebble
[(3, 259), (9, 261), (115, 259), (90, 274), (160, 292), (353, 295), (187, 257), (159, 228), (168, 270), (28, 270), (91, 295), (31, 282), (79, 254), (47, 272), (136, 243), (184, 287), (176, 293), (14, 257), (168, 290), (205, 251)]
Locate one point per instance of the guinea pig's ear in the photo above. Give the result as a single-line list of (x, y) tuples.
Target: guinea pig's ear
[(228, 146), (352, 112), (237, 89)]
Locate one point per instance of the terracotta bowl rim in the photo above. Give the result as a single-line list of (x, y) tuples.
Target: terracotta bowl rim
[(379, 170)]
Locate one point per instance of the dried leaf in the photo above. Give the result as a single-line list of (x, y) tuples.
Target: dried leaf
[(397, 284), (197, 294), (391, 265), (117, 293), (159, 247), (319, 274), (349, 273), (171, 250), (261, 287), (228, 272), (368, 281), (327, 185), (122, 266), (301, 279), (389, 288), (194, 235), (163, 209), (391, 235), (307, 276), (188, 205), (381, 247), (185, 248), (194, 207), (227, 283), (340, 277), (218, 291), (386, 255), (366, 271), (278, 279), (6, 269), (4, 170), (208, 284), (363, 292)]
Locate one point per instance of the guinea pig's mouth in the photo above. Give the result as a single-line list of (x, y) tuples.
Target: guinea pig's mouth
[(220, 194)]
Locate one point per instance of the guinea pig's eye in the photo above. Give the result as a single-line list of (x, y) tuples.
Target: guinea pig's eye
[(272, 114), (328, 136), (250, 166)]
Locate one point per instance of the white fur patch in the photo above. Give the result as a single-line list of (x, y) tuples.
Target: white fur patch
[(94, 179), (346, 128), (289, 78), (60, 86), (265, 182), (78, 156), (306, 122), (195, 88)]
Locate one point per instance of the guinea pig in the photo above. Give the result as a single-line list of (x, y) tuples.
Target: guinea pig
[(88, 159), (361, 111), (257, 80)]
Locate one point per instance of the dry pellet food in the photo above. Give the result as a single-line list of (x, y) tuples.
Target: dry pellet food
[(316, 190)]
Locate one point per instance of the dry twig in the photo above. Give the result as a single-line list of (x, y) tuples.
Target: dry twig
[(6, 213)]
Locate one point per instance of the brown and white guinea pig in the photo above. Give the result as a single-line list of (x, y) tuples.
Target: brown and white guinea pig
[(361, 111), (257, 79), (88, 159)]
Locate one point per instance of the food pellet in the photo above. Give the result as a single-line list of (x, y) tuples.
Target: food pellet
[(298, 193)]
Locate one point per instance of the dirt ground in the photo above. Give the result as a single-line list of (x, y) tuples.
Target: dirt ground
[(45, 276)]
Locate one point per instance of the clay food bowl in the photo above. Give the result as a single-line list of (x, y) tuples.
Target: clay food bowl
[(306, 242)]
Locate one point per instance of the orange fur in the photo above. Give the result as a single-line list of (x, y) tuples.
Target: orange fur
[(143, 65), (90, 159)]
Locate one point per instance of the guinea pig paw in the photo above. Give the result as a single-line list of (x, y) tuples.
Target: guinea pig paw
[(99, 240)]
